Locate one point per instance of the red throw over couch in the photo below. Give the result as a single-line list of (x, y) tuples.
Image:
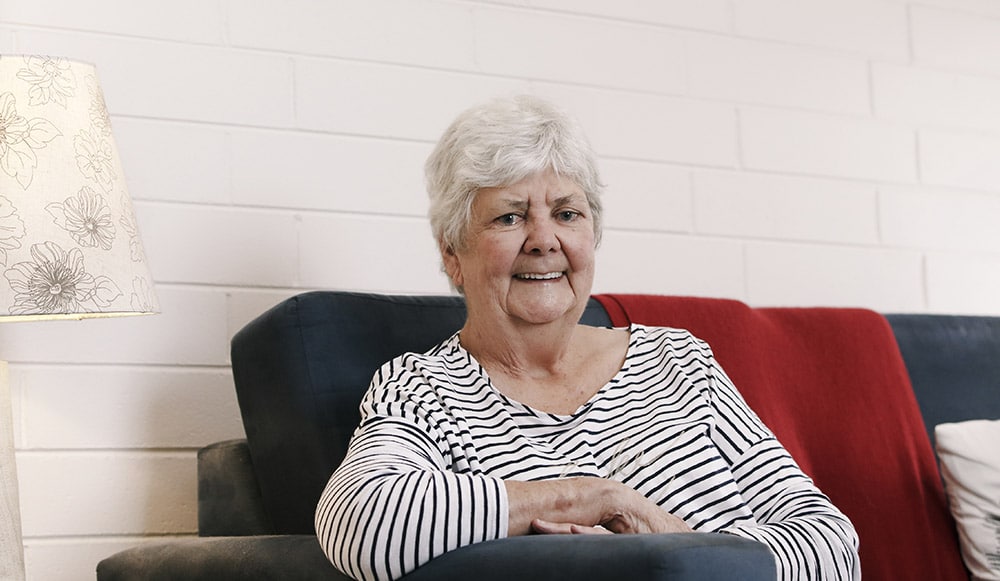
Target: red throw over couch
[(832, 386)]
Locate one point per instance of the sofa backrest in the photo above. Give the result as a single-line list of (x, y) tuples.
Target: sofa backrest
[(832, 386), (954, 365), (301, 369)]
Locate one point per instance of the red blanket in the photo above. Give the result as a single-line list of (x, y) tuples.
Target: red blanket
[(832, 386)]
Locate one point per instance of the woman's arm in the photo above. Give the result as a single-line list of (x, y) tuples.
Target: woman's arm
[(803, 529), (393, 504), (402, 495)]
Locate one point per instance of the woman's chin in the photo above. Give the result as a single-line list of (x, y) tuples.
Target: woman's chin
[(543, 308)]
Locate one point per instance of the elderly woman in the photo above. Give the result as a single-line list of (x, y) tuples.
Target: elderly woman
[(526, 421)]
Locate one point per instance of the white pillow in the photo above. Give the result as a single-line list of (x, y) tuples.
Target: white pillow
[(970, 464)]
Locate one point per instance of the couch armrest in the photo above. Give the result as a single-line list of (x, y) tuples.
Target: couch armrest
[(676, 557), (665, 557), (286, 557), (229, 499)]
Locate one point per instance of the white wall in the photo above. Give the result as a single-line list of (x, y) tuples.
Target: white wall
[(781, 152)]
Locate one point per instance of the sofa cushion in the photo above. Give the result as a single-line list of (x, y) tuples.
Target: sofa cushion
[(831, 385), (970, 464)]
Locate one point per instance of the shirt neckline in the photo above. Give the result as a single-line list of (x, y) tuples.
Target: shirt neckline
[(633, 331)]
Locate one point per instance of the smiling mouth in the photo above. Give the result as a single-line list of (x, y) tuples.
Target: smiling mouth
[(539, 276)]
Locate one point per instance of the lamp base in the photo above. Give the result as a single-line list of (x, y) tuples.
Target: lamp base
[(11, 547)]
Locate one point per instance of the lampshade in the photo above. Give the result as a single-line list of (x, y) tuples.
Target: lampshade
[(69, 244)]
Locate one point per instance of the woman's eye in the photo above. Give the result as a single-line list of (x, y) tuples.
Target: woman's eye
[(508, 219), (567, 215)]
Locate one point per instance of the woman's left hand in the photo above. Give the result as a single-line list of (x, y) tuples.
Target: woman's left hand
[(627, 512)]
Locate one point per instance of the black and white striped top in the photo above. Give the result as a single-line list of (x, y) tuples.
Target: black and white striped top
[(423, 474)]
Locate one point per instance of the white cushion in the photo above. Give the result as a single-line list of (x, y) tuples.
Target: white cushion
[(970, 464)]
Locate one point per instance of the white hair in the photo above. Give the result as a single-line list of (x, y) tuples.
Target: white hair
[(498, 144)]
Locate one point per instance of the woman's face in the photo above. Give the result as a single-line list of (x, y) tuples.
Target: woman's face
[(529, 253)]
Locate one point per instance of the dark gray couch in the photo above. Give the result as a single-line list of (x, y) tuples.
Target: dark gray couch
[(300, 370)]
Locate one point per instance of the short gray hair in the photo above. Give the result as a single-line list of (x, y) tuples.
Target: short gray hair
[(498, 144)]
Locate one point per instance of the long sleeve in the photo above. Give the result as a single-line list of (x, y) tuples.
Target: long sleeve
[(397, 500), (809, 536)]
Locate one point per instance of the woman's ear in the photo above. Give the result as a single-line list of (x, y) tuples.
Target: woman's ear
[(452, 265)]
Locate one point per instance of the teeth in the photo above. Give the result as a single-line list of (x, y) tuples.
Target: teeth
[(534, 276)]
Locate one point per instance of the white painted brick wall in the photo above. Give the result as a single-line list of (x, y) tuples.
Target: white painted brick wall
[(387, 100), (572, 49), (190, 330), (83, 493), (327, 172), (783, 141), (806, 275), (987, 8), (730, 69), (370, 254), (934, 98), (426, 34), (652, 127), (961, 220), (697, 14), (67, 407), (779, 207), (963, 159), (187, 21), (646, 196), (780, 152), (670, 264), (152, 151), (222, 246), (955, 39), (177, 80), (866, 28), (962, 283)]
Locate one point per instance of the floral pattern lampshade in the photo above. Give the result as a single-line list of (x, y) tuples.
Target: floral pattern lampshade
[(69, 245)]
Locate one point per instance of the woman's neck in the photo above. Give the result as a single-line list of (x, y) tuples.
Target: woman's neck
[(552, 369), (520, 348)]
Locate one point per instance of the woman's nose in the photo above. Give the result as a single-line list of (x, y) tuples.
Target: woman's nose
[(541, 237)]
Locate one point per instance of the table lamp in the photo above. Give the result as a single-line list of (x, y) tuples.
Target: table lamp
[(69, 246)]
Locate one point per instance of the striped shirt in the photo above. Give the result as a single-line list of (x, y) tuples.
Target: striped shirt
[(424, 472)]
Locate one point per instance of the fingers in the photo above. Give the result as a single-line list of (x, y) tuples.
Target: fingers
[(550, 528), (652, 521), (585, 530)]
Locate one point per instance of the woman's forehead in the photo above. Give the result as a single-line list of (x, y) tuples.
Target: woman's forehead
[(555, 189), (523, 203)]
